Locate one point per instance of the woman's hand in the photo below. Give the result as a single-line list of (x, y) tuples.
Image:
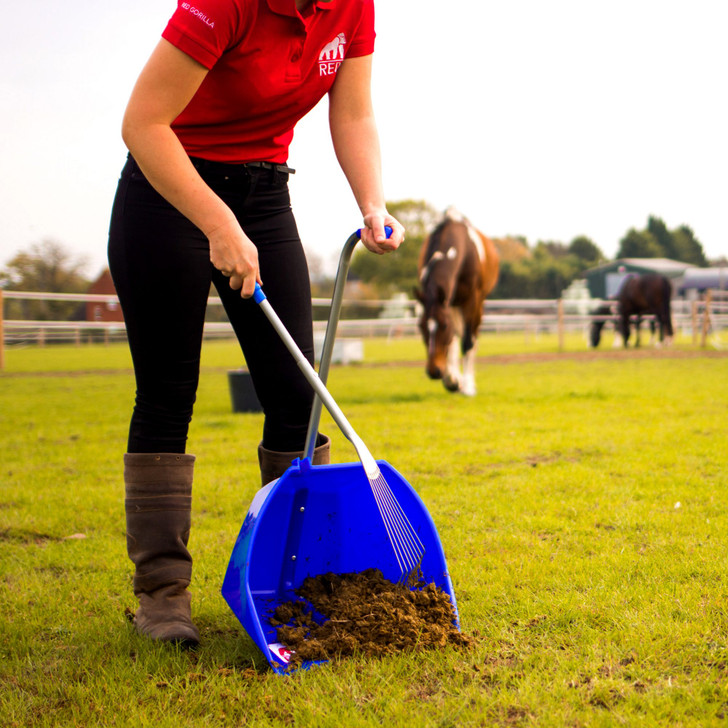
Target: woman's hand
[(235, 256), (374, 237)]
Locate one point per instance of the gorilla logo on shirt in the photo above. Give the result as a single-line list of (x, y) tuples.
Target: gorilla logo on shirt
[(334, 50)]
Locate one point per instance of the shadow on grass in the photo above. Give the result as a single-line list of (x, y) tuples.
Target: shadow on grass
[(399, 397)]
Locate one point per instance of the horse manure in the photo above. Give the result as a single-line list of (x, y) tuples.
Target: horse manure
[(338, 615)]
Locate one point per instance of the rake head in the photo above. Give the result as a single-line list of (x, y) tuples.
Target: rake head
[(406, 544)]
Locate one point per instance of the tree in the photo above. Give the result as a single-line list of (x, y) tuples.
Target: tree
[(656, 241), (550, 248), (586, 251), (512, 249), (663, 237), (687, 247), (46, 267), (397, 271), (639, 244), (548, 270)]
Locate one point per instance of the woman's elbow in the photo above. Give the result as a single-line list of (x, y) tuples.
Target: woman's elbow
[(128, 128)]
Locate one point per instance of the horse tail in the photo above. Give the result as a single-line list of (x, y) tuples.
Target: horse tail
[(666, 308)]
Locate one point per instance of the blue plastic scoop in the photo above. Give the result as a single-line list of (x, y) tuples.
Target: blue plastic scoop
[(327, 518)]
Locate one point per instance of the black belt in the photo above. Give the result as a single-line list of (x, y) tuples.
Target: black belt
[(227, 167), (271, 165)]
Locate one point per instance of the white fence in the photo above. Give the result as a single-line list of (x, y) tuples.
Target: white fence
[(390, 318)]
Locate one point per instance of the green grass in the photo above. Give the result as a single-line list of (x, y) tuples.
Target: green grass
[(580, 504)]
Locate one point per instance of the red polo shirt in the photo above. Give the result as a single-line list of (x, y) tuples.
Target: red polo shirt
[(269, 66)]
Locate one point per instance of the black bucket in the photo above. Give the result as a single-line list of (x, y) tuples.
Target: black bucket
[(242, 392)]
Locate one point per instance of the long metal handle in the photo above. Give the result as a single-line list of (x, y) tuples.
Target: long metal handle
[(370, 466), (330, 336)]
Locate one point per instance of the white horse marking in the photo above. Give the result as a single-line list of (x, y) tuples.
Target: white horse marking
[(432, 329), (458, 322), (473, 235), (468, 388), (452, 213), (437, 255), (453, 374)]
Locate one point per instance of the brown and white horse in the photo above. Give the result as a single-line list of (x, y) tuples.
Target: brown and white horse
[(458, 268)]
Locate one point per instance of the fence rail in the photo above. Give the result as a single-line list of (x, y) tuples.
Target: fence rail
[(396, 318)]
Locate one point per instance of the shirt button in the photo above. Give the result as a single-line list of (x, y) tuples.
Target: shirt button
[(296, 56)]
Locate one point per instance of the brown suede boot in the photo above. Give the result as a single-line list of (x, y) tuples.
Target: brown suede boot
[(273, 464), (158, 517)]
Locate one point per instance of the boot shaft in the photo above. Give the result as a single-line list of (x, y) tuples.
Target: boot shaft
[(158, 518), (273, 464)]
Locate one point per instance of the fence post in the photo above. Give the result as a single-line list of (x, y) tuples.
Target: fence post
[(560, 313), (2, 331), (706, 317)]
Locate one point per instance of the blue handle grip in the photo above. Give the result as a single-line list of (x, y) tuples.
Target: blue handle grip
[(387, 232)]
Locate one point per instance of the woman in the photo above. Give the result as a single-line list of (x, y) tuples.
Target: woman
[(204, 199)]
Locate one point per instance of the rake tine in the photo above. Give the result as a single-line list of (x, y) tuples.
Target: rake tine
[(399, 520), (405, 542)]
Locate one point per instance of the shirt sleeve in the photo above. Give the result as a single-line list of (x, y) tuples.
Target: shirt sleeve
[(362, 44), (204, 29)]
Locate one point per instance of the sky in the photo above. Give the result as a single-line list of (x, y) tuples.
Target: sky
[(547, 120)]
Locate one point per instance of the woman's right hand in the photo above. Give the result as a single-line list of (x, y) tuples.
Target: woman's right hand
[(235, 256)]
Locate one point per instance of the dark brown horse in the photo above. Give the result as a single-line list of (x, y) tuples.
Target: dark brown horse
[(458, 268), (639, 295)]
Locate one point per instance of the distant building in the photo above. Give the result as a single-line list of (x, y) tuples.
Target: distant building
[(703, 279), (103, 310), (576, 298), (605, 280)]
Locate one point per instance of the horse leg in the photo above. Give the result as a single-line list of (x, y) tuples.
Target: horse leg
[(668, 332), (624, 330), (468, 387), (452, 378), (618, 342), (665, 331), (666, 322)]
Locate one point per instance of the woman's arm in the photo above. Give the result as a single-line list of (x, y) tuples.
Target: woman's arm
[(356, 143), (164, 88)]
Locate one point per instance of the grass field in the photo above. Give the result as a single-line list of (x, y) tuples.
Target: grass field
[(580, 502)]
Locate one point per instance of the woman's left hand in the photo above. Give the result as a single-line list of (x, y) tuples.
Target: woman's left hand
[(374, 237)]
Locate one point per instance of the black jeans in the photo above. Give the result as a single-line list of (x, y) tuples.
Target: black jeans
[(160, 263)]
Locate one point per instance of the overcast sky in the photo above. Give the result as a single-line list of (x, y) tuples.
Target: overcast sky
[(542, 119)]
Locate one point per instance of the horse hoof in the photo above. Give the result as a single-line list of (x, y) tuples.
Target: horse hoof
[(452, 386)]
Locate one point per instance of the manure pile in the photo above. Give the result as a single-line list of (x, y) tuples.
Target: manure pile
[(364, 614)]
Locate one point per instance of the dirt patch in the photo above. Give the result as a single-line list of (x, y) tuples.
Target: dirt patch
[(364, 614)]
